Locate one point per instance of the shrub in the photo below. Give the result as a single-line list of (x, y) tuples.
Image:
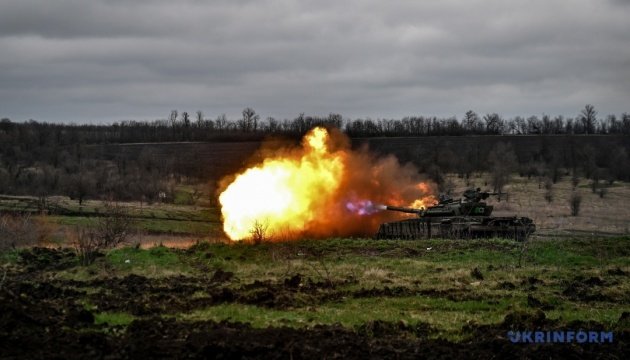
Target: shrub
[(575, 201), (259, 232), (86, 244), (17, 230), (575, 180), (106, 232), (548, 190)]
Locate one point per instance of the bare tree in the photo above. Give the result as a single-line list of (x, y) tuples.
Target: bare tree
[(588, 118), (199, 118), (186, 119), (249, 122), (80, 185), (106, 232), (115, 227), (471, 121), (587, 157), (494, 124), (86, 244), (575, 180), (502, 161), (548, 190), (221, 122), (173, 118), (258, 232), (574, 202)]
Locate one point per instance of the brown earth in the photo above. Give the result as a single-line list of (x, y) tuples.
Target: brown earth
[(56, 328), (44, 318)]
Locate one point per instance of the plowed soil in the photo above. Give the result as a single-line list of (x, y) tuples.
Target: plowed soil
[(43, 318)]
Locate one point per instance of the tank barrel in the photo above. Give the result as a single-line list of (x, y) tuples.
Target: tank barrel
[(404, 209)]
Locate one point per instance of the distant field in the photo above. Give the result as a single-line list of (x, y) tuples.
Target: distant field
[(169, 224), (179, 225)]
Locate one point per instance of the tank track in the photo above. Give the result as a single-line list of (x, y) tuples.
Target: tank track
[(464, 227)]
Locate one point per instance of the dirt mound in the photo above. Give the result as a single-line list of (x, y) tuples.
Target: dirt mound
[(476, 274), (616, 272), (221, 276), (396, 291), (531, 283), (586, 290), (536, 303), (143, 296), (28, 319), (506, 285), (169, 338), (382, 329), (40, 259), (291, 292)]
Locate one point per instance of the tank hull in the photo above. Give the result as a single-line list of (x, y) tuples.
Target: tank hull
[(459, 227)]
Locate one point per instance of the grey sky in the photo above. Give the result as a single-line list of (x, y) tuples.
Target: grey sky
[(107, 60)]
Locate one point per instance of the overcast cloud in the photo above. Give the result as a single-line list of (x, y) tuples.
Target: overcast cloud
[(108, 60)]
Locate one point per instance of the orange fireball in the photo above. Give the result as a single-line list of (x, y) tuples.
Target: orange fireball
[(283, 193), (322, 189)]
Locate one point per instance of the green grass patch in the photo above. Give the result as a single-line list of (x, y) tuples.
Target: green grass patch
[(159, 258), (446, 316), (9, 256), (152, 225), (177, 226), (580, 252), (113, 318), (602, 313)]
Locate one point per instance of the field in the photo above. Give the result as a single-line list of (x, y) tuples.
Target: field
[(339, 297), (179, 289), (182, 224)]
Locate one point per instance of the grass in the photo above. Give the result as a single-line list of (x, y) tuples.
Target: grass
[(450, 287), (445, 316), (9, 256), (455, 298), (178, 226), (180, 218), (154, 226), (113, 318), (135, 260), (598, 215), (594, 312)]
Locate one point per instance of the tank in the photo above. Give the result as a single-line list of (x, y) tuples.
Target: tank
[(464, 218)]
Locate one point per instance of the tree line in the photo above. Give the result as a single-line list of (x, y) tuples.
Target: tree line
[(186, 127), (492, 124), (43, 159)]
